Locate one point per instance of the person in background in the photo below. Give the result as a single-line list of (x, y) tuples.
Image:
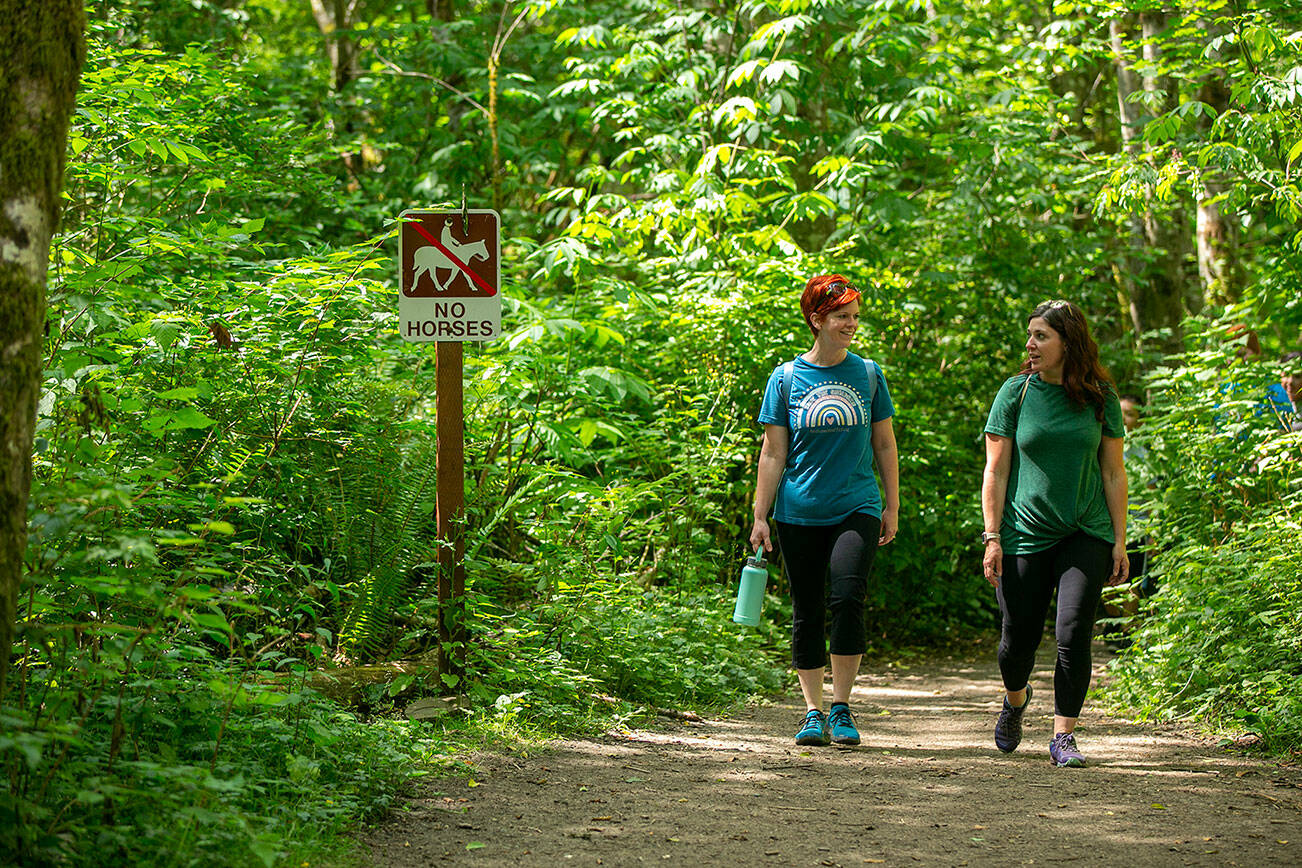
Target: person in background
[(1249, 410), (1053, 498), (1130, 410), (1247, 346), (1286, 398), (1141, 583), (1136, 456), (827, 416)]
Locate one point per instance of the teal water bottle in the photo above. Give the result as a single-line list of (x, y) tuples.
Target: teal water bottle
[(750, 592)]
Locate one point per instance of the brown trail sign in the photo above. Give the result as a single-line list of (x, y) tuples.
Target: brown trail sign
[(449, 269), (449, 274)]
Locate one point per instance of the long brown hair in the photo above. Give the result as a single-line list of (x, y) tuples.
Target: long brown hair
[(1083, 375)]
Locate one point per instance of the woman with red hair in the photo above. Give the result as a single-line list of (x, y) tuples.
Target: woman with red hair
[(826, 416), (1054, 501)]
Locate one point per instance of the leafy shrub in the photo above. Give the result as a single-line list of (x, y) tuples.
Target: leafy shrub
[(164, 770), (1220, 494)]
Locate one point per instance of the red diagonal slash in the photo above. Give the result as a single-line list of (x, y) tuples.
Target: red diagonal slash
[(483, 284)]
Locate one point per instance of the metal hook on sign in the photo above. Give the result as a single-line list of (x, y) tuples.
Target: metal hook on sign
[(465, 214)]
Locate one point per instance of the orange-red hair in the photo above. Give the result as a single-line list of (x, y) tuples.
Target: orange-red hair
[(823, 294)]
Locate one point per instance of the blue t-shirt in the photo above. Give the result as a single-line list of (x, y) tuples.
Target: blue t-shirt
[(1281, 407), (829, 472)]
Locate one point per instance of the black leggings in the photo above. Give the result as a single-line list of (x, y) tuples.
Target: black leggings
[(1077, 566), (827, 568)]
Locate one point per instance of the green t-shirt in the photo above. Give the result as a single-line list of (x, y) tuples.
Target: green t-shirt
[(1055, 483)]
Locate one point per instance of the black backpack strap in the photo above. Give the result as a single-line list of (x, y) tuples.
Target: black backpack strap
[(1022, 397)]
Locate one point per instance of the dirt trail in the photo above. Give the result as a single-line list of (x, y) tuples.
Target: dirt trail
[(926, 786)]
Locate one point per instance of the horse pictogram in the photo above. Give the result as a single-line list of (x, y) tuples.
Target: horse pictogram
[(433, 259)]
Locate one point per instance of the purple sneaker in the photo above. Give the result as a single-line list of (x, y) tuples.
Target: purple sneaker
[(1008, 728), (1064, 753)]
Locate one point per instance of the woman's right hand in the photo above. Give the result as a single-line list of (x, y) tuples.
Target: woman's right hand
[(993, 562), (759, 535)]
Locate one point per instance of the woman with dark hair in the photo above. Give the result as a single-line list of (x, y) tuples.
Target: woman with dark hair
[(826, 416), (1053, 497)]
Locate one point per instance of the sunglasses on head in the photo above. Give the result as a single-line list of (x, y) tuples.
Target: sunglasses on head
[(839, 288)]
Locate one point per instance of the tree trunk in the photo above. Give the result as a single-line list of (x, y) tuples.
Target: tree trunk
[(1155, 280), (1216, 261), (1166, 225), (441, 9), (336, 20), (1128, 117), (43, 46), (1220, 276)]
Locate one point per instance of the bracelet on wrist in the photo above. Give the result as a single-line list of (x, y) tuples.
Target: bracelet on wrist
[(989, 537)]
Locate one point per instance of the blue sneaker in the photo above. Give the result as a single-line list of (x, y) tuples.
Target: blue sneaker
[(843, 731), (813, 730), (1064, 753), (1008, 728)]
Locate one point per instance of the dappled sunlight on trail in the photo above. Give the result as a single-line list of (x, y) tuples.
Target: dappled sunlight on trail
[(925, 786)]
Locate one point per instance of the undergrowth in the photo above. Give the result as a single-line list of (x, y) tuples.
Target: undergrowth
[(1218, 492), (250, 765)]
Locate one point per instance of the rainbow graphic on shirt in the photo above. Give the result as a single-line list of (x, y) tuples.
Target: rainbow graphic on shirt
[(831, 406)]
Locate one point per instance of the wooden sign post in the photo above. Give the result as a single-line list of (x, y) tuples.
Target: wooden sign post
[(449, 267), (451, 507)]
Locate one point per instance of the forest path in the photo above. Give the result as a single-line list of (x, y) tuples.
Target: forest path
[(926, 787)]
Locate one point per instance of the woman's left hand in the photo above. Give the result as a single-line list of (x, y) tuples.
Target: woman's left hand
[(1120, 564), (890, 523)]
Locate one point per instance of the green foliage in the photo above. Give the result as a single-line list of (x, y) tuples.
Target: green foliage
[(1239, 154), (235, 483), (181, 759), (234, 479), (1220, 495), (560, 664)]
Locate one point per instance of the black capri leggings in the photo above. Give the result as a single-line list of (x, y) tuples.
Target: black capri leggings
[(1077, 566), (827, 568)]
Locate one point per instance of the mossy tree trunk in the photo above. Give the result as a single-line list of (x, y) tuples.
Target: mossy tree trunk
[(43, 46), (336, 20), (442, 10), (1217, 238), (1154, 282)]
